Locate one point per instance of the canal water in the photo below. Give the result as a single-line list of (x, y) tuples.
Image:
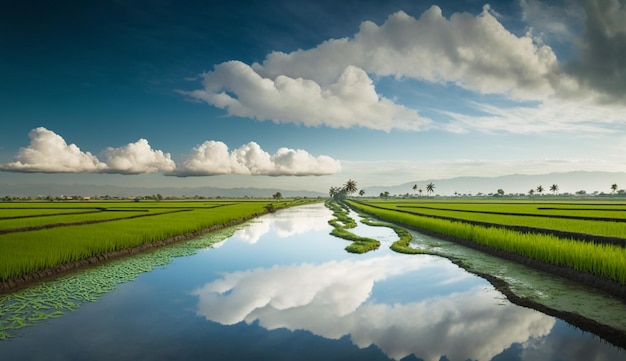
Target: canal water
[(281, 288)]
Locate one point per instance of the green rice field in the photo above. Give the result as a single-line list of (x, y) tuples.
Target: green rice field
[(38, 235), (486, 224), (599, 219)]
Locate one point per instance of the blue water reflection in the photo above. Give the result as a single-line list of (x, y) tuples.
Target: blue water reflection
[(282, 288), (337, 299)]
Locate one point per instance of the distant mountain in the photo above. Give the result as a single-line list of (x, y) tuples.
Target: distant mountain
[(569, 182), (23, 190)]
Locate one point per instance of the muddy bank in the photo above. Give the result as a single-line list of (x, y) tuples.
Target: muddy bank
[(35, 277), (607, 285), (612, 335)]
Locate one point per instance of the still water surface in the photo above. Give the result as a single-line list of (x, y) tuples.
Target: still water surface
[(282, 288)]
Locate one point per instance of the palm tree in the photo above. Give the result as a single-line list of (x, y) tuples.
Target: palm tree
[(531, 192), (350, 186), (613, 187), (539, 189), (361, 193), (554, 188), (414, 188), (430, 188)]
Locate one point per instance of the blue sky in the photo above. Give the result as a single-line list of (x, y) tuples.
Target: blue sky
[(307, 94)]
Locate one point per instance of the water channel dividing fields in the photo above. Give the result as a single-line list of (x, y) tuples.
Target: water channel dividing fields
[(281, 286)]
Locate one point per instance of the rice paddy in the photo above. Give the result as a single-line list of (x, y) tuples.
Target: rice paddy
[(572, 218), (597, 258), (35, 236)]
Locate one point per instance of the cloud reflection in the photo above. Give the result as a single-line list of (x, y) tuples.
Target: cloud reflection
[(284, 224), (333, 300)]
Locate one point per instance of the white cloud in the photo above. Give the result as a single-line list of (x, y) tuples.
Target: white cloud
[(474, 52), (551, 115), (214, 158), (331, 84), (349, 101), (137, 158), (48, 152), (333, 300)]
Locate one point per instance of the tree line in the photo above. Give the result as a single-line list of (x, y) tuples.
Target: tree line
[(350, 188)]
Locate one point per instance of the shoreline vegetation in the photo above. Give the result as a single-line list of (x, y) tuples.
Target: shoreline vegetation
[(40, 240)]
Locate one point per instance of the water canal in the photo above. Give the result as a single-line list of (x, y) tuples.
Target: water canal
[(282, 288)]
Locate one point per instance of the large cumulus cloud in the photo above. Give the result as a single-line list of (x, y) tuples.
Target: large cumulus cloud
[(48, 152), (350, 100), (331, 85), (334, 83), (136, 158), (475, 52), (214, 158)]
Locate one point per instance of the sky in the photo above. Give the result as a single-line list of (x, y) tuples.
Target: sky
[(308, 94)]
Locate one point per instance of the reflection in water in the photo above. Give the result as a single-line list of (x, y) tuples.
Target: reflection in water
[(284, 224), (334, 299)]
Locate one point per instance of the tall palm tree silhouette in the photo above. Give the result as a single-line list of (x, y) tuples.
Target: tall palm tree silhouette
[(430, 188), (350, 186), (554, 188)]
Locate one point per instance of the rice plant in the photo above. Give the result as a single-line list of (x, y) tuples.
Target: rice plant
[(608, 261), (32, 251)]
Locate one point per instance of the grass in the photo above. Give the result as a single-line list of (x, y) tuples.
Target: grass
[(608, 261), (31, 251)]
